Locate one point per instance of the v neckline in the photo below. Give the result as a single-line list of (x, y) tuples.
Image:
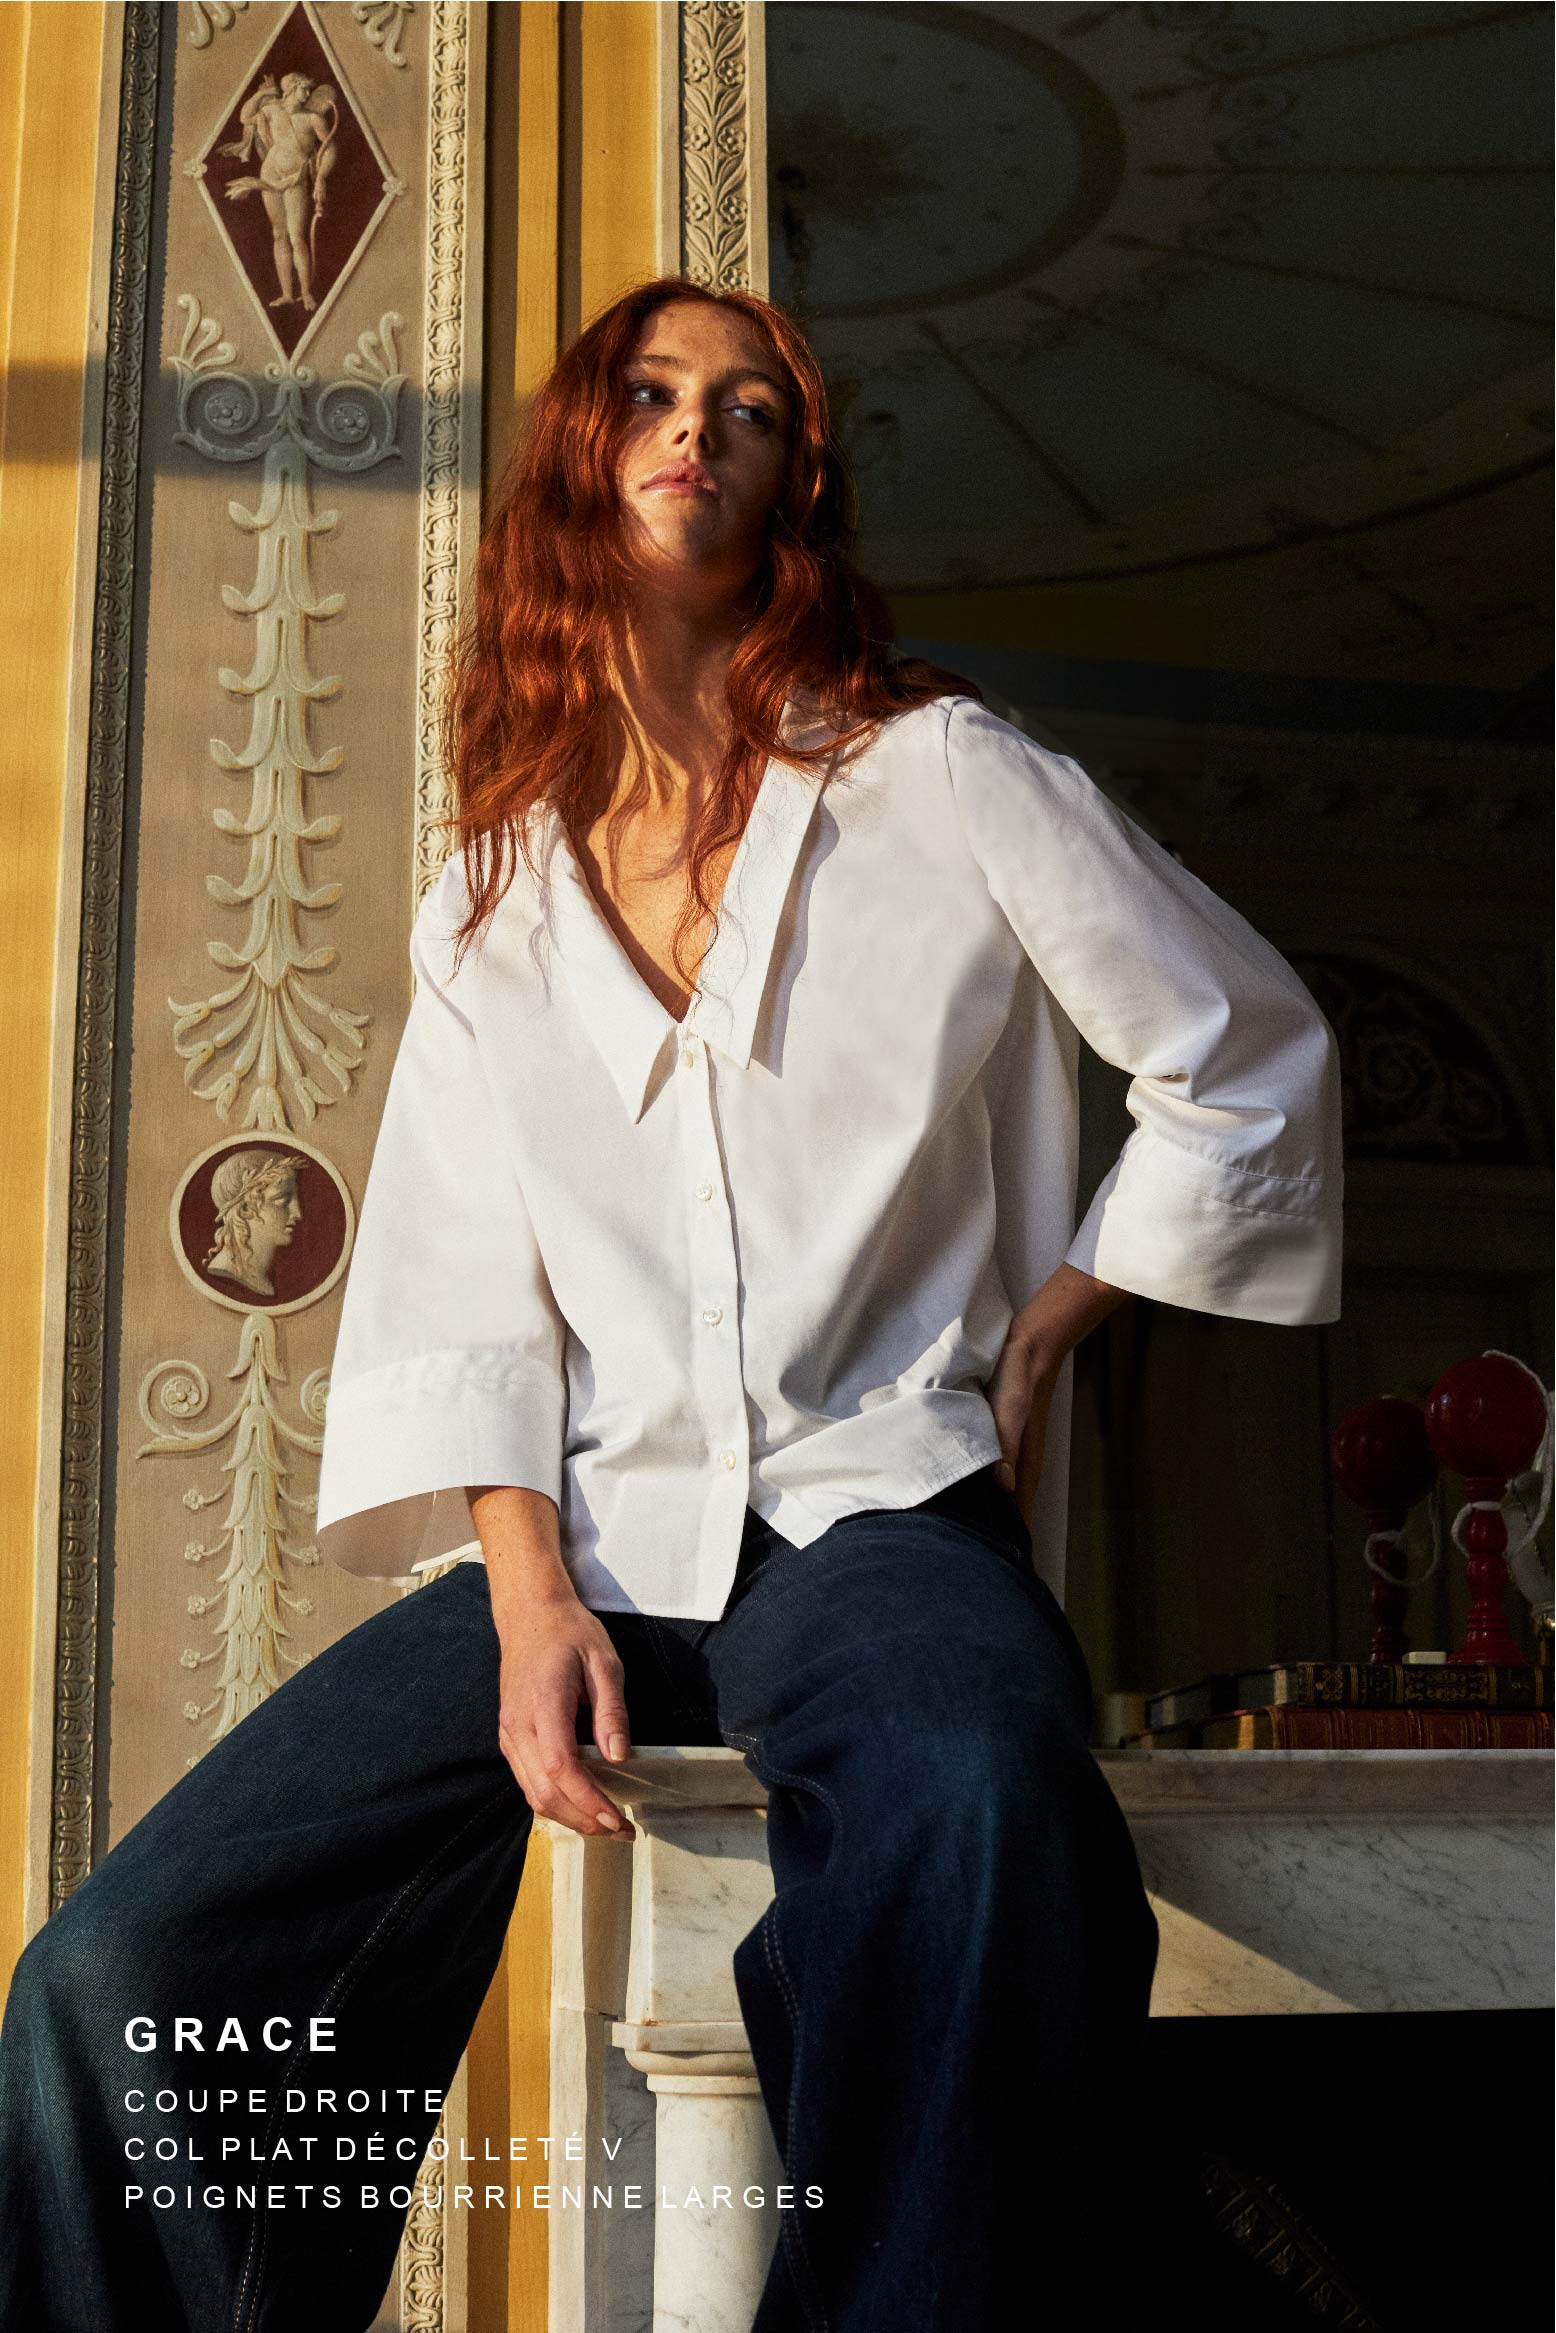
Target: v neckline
[(625, 1021), (580, 872)]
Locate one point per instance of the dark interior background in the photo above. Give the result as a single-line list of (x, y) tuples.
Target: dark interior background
[(1194, 365)]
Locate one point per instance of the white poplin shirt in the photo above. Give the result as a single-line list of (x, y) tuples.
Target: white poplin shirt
[(768, 1255)]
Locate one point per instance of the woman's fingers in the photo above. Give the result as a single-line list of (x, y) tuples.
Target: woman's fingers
[(554, 1654), (612, 1730), (574, 1798), (1034, 1439), (1008, 1399)]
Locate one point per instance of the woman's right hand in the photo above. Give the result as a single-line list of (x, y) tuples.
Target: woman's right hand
[(555, 1654)]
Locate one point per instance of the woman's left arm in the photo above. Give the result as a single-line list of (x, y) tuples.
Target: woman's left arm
[(1226, 1197), (1066, 1308)]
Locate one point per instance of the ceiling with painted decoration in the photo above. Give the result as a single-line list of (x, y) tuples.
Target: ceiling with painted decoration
[(1208, 336)]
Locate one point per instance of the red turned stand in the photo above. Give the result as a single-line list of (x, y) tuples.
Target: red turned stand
[(1383, 1461), (1486, 1419)]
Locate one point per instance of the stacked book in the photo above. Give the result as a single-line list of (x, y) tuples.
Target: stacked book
[(1355, 1705)]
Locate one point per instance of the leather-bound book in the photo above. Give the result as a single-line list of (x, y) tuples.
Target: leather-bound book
[(1353, 1685), (1291, 1728)]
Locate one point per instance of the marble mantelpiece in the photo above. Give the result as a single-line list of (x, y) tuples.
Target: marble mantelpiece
[(1285, 1882), (1304, 1881)]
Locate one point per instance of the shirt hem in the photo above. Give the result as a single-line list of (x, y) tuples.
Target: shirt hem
[(968, 1460)]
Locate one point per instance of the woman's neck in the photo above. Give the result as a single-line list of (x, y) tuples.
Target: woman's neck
[(670, 666)]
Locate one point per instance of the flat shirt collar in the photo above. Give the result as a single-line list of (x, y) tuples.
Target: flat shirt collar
[(628, 1025)]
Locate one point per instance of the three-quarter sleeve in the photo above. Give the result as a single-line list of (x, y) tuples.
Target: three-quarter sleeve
[(1226, 1197), (449, 1363)]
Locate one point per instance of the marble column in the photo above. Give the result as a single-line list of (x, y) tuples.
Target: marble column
[(716, 2176), (648, 2052)]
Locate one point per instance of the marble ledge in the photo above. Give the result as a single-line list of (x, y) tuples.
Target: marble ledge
[(665, 1776), (1156, 1785)]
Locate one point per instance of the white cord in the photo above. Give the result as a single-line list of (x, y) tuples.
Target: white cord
[(1530, 1576), (1397, 1539)]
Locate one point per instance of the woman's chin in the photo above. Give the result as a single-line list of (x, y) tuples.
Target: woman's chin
[(682, 563)]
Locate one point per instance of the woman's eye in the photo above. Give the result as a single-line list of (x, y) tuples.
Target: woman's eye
[(754, 416)]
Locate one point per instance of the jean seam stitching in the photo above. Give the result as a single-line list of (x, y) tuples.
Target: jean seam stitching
[(780, 1975), (809, 2290), (415, 1887), (810, 2299)]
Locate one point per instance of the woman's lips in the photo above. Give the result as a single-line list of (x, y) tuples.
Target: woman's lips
[(678, 486)]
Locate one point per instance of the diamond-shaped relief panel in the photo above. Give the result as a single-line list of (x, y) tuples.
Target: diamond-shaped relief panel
[(296, 179)]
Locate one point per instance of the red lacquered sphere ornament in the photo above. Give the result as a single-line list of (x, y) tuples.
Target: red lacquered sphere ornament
[(1381, 1454)]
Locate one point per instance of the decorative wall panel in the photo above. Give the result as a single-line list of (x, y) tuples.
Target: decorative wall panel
[(288, 510), (722, 146)]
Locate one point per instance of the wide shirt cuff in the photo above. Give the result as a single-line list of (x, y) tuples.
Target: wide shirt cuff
[(1168, 1224), (404, 1442)]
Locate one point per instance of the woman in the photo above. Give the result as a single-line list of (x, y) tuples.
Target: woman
[(718, 1269)]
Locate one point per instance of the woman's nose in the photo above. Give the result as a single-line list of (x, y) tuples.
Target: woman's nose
[(693, 427)]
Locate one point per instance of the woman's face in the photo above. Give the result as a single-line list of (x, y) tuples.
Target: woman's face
[(702, 461)]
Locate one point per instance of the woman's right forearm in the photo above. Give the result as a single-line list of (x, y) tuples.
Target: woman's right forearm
[(556, 1655), (520, 1537)]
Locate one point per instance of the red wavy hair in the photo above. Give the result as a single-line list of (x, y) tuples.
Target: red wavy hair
[(526, 714)]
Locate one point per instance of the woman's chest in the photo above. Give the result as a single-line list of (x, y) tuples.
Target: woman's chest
[(640, 883)]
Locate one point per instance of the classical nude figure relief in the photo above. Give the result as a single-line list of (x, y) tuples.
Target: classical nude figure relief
[(257, 1212), (294, 129)]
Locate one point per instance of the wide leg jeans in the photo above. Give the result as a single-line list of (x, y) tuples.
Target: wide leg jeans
[(945, 2000)]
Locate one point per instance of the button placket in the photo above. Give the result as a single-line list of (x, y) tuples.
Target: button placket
[(713, 1288)]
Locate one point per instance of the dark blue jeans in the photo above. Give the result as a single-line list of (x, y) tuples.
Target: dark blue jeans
[(946, 1999)]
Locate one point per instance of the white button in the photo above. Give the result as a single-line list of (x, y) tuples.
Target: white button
[(704, 1190), (727, 1458), (713, 1315), (689, 1053)]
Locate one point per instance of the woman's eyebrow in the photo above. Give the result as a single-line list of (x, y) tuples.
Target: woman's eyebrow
[(735, 373)]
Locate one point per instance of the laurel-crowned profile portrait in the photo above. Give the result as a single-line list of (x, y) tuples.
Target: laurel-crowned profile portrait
[(263, 1224)]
